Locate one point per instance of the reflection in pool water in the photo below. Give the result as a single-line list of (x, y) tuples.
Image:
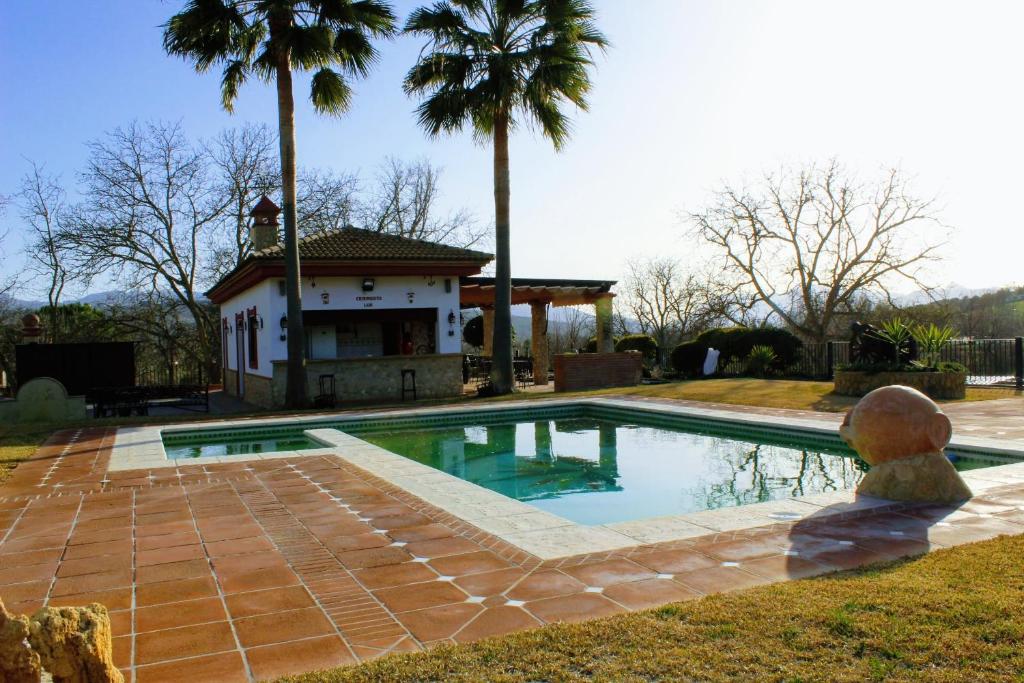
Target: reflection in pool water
[(596, 471)]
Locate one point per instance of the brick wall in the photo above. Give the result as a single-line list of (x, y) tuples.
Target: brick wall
[(578, 371)]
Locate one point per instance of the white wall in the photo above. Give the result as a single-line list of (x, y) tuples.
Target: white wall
[(343, 293)]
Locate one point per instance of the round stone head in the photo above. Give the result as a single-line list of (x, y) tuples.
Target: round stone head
[(895, 422)]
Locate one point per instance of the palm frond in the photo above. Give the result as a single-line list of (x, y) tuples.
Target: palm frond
[(323, 36), (503, 57), (234, 76), (329, 92)]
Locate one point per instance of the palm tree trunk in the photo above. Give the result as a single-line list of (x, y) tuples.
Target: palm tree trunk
[(501, 372), (295, 388)]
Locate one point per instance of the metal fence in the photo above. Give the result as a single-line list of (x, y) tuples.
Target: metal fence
[(989, 362), (179, 373)]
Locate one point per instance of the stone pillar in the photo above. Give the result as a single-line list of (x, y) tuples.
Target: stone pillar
[(542, 440), (608, 449), (539, 342), (605, 339), (488, 332)]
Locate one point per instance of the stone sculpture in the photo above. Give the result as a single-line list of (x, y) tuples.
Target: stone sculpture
[(74, 644), (18, 662), (901, 433)]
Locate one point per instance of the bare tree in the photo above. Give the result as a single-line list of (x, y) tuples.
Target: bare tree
[(150, 206), (811, 245), (404, 200), (43, 202), (572, 332), (244, 165), (7, 283), (327, 200), (666, 304)]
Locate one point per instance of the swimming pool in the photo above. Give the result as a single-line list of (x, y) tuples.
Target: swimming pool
[(586, 463)]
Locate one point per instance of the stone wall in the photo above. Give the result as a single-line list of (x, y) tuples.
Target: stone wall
[(940, 385), (578, 371), (379, 378), (258, 390), (43, 399), (230, 381)]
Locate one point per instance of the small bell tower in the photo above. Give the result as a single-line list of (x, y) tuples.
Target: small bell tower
[(265, 226)]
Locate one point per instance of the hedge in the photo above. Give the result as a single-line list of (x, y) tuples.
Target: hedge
[(735, 343), (644, 343)]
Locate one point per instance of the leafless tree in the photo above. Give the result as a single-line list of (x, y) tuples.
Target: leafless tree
[(403, 201), (667, 304), (572, 331), (809, 245), (7, 283), (150, 206), (244, 167), (43, 202), (327, 200)]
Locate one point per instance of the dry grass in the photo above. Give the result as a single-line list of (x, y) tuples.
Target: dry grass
[(952, 615), (17, 442)]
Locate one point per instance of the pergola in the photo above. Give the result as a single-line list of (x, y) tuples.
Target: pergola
[(539, 293)]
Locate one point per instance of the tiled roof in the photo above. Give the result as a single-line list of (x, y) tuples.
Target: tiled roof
[(355, 244)]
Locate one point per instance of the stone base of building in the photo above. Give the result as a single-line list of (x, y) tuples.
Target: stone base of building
[(938, 385), (258, 390), (230, 382), (580, 371), (376, 379)]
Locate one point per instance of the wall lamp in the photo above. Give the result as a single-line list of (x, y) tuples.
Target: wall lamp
[(451, 323), (284, 327), (367, 284)]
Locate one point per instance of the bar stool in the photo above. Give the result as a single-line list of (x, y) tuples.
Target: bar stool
[(327, 397), (410, 373)]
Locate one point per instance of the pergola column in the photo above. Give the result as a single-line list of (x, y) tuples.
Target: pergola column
[(605, 338), (539, 341), (488, 313)]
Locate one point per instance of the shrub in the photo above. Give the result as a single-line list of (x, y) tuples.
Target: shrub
[(931, 339), (899, 336), (591, 346), (644, 343), (736, 343), (473, 331), (761, 360), (688, 358)]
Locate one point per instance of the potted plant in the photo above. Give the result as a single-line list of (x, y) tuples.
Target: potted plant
[(916, 361)]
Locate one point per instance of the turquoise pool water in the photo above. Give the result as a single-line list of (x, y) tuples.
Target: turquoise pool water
[(243, 444), (595, 466)]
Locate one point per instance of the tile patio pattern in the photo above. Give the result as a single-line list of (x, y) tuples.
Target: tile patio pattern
[(252, 570)]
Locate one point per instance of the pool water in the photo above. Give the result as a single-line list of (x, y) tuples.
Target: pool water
[(596, 471), (590, 466), (242, 445)]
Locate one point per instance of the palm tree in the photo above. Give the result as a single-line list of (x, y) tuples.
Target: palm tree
[(270, 38), (487, 63)]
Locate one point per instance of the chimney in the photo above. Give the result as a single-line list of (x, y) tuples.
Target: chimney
[(264, 230)]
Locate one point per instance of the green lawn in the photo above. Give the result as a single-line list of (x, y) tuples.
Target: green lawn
[(768, 393), (952, 615)]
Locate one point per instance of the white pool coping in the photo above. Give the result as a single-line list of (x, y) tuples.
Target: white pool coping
[(542, 534)]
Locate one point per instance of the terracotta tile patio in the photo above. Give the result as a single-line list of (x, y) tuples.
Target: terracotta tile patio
[(253, 570)]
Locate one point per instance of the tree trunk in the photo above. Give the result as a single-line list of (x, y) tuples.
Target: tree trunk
[(501, 372), (295, 389)]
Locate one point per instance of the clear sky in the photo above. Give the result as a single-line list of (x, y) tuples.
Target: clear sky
[(692, 92)]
